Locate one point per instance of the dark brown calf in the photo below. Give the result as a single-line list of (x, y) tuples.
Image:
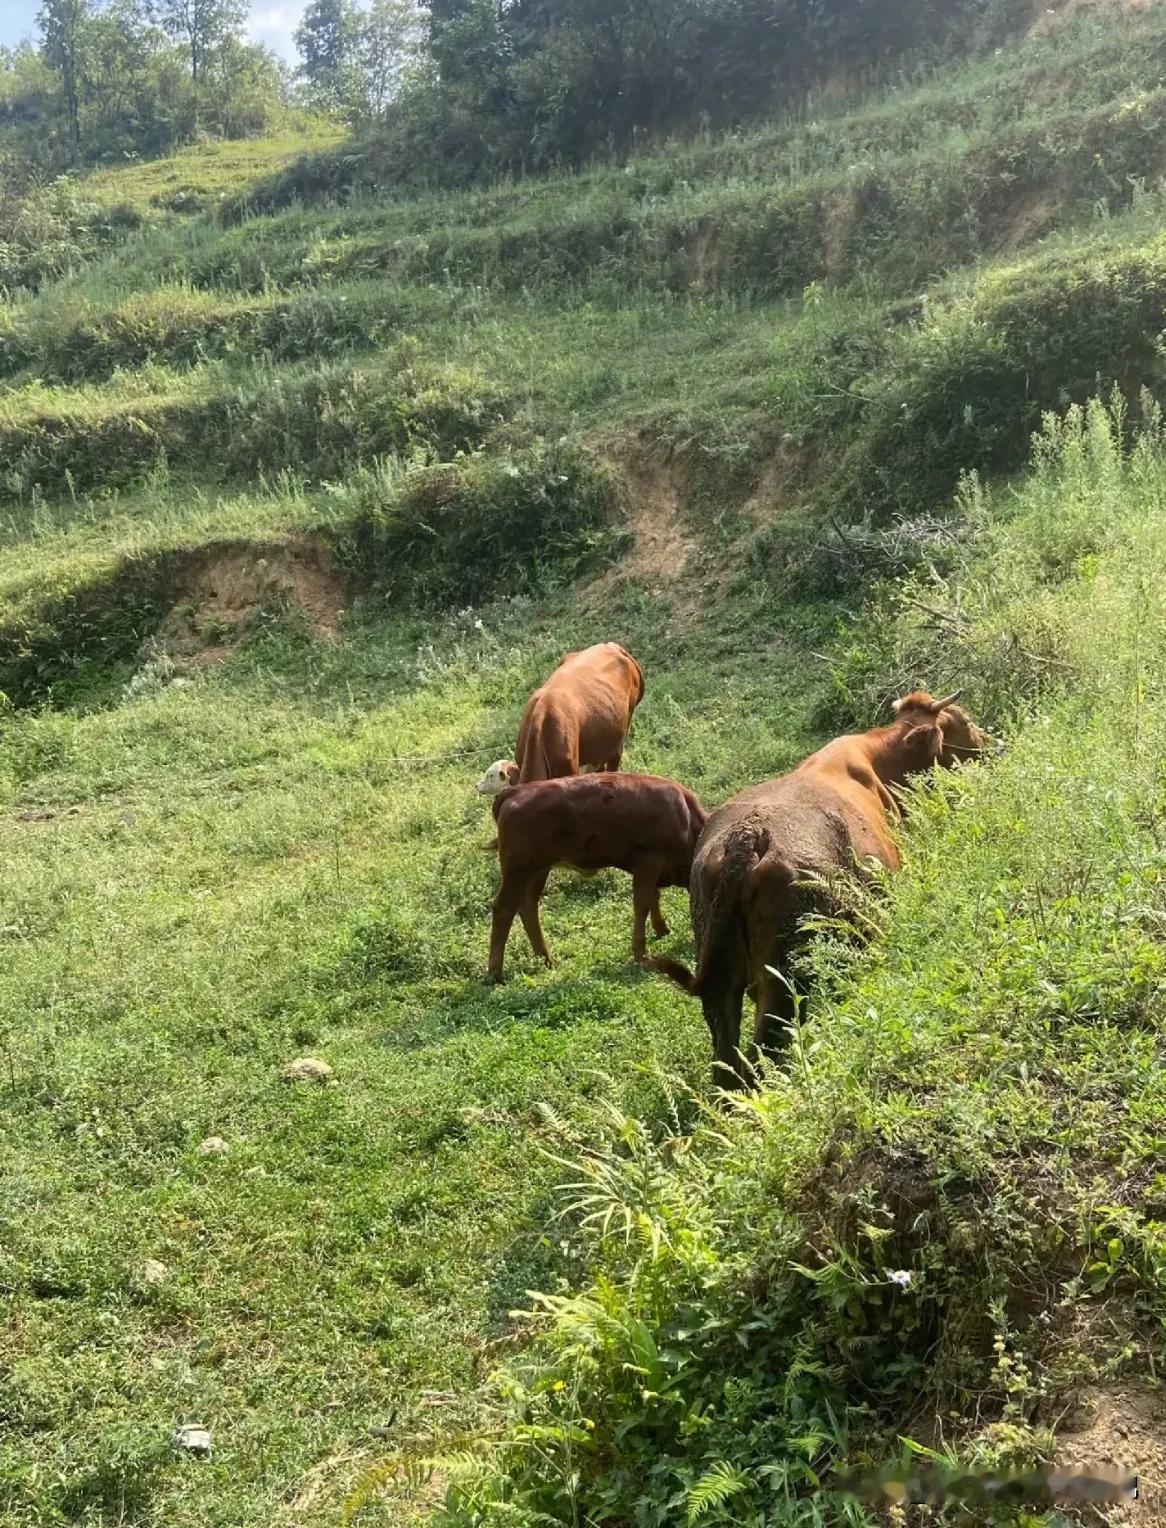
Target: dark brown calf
[(638, 823)]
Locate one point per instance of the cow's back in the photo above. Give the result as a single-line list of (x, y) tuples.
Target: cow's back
[(592, 821), (804, 820), (581, 715), (604, 678)]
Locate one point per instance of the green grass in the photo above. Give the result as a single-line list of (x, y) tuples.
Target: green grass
[(203, 176), (283, 856)]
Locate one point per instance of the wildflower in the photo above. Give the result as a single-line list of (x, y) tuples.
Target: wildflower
[(903, 1277)]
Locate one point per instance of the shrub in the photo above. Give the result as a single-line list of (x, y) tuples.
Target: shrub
[(51, 231), (965, 386), (183, 328), (62, 639), (487, 526)]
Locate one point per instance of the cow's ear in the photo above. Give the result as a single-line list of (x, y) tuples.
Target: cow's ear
[(511, 771), (926, 739)]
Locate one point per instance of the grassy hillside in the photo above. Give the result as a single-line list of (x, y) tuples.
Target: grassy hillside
[(299, 498)]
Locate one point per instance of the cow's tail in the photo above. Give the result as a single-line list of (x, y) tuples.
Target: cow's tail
[(742, 851)]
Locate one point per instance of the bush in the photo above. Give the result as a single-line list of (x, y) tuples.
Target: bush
[(538, 90), (50, 231), (61, 641), (965, 386), (181, 328), (489, 526), (330, 421)]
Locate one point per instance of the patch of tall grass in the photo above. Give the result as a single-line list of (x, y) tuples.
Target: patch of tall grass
[(314, 420), (67, 338), (918, 392)]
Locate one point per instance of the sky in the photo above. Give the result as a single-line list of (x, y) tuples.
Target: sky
[(272, 22)]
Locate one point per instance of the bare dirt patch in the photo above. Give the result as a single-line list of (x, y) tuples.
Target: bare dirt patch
[(223, 588), (703, 261), (774, 489), (781, 483), (1119, 1429), (661, 548), (1032, 219)]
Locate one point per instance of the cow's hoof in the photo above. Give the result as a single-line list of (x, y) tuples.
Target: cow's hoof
[(662, 932), (494, 979)]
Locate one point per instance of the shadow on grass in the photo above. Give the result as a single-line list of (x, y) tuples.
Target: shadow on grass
[(120, 1484), (600, 996)]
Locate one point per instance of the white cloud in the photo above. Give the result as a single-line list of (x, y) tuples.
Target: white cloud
[(274, 24)]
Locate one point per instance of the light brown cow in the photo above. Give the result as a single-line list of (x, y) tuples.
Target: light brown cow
[(757, 852), (578, 719), (638, 823)]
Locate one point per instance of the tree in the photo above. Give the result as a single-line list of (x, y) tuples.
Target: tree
[(390, 41), (202, 27), (328, 39), (62, 24), (354, 60)]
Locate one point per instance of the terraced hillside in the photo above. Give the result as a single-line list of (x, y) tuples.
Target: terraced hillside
[(303, 486)]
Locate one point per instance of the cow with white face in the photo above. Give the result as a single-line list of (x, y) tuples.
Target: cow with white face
[(500, 776)]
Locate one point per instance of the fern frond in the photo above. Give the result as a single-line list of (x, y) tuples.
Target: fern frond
[(714, 1488)]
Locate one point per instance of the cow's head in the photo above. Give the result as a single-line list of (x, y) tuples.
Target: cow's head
[(500, 776), (940, 731)]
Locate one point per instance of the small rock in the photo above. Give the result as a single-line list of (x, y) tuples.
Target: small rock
[(193, 1439), (179, 684), (153, 1272), (213, 1146), (307, 1069), (127, 819)]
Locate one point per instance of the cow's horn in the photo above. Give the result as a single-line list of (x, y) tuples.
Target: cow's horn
[(948, 700)]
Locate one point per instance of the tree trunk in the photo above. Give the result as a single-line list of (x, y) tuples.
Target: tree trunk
[(72, 109)]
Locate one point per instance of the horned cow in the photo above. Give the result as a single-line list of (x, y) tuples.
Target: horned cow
[(749, 890)]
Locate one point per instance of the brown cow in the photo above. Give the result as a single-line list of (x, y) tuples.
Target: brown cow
[(638, 823), (757, 852), (579, 718)]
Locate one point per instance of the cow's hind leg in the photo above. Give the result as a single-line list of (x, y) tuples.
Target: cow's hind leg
[(777, 1010), (721, 999), (645, 900), (528, 911), (506, 904), (659, 925), (773, 916)]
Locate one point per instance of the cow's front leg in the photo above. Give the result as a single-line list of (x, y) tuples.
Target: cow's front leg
[(506, 904), (528, 910)]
